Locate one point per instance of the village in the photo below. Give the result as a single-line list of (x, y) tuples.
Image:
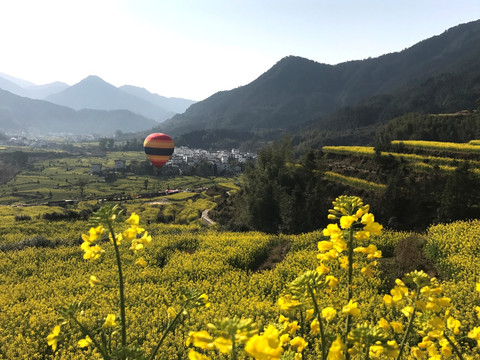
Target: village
[(185, 160)]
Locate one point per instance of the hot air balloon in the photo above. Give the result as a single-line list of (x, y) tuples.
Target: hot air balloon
[(159, 148)]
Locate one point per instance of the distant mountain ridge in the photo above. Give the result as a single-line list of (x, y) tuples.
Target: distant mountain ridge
[(297, 92), (38, 117), (95, 93)]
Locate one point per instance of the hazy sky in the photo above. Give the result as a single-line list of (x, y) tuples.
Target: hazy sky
[(194, 48)]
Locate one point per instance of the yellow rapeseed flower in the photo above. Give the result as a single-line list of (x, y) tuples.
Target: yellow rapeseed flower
[(298, 344), (93, 234), (333, 231), (85, 342), (325, 245), (266, 346), (94, 281), (322, 269), (133, 220), (329, 313), (331, 281), (110, 321), (141, 261), (193, 355), (91, 252), (454, 325), (475, 334), (337, 350), (347, 221), (397, 327), (315, 327), (351, 309), (145, 239), (201, 339), (54, 337), (223, 344)]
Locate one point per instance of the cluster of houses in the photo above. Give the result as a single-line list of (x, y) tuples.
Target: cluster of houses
[(183, 157), (223, 160)]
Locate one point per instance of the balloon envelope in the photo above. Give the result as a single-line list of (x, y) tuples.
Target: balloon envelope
[(159, 148)]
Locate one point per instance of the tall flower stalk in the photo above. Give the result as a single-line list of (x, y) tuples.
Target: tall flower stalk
[(101, 338)]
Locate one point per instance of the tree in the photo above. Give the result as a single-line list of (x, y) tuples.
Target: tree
[(281, 195)]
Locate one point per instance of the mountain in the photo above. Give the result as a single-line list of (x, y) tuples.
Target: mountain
[(95, 93), (175, 105), (19, 82), (27, 89), (297, 92), (38, 117), (43, 91), (11, 86)]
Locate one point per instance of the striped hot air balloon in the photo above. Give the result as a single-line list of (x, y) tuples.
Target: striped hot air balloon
[(159, 148)]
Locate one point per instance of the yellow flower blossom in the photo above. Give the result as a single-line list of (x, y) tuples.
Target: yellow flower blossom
[(315, 327), (298, 344), (397, 327), (337, 350), (91, 252), (454, 325), (286, 302), (325, 245), (141, 261), (407, 311), (145, 239), (282, 319), (133, 220), (475, 334), (328, 256), (94, 234), (110, 321), (284, 338), (193, 355), (223, 345), (200, 339), (351, 309), (347, 221), (333, 231), (362, 235), (86, 342), (309, 314), (339, 244), (266, 346), (417, 353), (331, 281), (384, 324), (329, 313), (388, 300), (118, 237), (94, 281), (291, 327), (322, 269), (54, 337)]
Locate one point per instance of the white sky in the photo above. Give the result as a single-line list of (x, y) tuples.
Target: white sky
[(194, 48)]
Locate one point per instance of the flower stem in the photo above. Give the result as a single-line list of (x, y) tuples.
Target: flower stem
[(169, 328), (349, 286), (120, 286), (85, 332), (407, 332), (322, 331), (455, 348)]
